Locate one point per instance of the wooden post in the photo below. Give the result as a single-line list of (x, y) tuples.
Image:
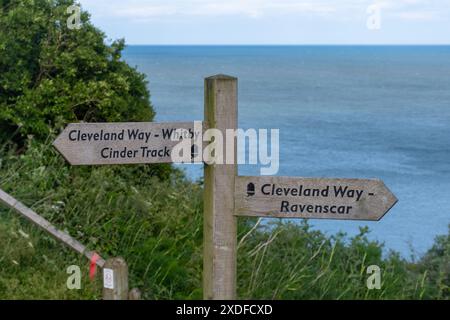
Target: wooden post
[(115, 279), (135, 294), (220, 234)]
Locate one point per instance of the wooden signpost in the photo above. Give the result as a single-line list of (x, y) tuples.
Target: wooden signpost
[(220, 231), (310, 198), (122, 143), (226, 196)]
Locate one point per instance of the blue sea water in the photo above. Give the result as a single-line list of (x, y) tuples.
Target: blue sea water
[(343, 111)]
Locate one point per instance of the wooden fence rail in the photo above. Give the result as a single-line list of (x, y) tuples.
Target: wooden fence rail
[(116, 268), (48, 227)]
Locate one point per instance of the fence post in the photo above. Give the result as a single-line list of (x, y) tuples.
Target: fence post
[(115, 279), (219, 233), (135, 294)]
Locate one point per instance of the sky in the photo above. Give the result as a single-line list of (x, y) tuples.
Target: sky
[(290, 22)]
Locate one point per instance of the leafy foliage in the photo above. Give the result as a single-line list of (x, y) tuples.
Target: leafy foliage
[(157, 227), (436, 264), (154, 224), (51, 75)]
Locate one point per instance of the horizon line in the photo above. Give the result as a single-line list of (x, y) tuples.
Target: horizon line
[(295, 45)]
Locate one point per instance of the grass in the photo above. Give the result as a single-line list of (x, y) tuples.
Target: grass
[(156, 225)]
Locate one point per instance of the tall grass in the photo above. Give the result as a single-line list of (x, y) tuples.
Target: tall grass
[(156, 225)]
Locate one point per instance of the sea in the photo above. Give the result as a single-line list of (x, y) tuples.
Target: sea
[(342, 111)]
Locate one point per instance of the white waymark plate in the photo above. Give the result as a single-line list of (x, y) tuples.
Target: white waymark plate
[(108, 278)]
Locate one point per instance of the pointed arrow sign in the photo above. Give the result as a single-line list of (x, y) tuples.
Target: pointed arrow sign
[(311, 198), (123, 143)]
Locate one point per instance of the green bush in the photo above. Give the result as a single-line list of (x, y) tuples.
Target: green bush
[(291, 261), (157, 227), (436, 265), (51, 75), (154, 224)]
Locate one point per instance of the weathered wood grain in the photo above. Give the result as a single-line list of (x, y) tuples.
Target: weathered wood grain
[(120, 143), (312, 198), (119, 269), (220, 235)]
